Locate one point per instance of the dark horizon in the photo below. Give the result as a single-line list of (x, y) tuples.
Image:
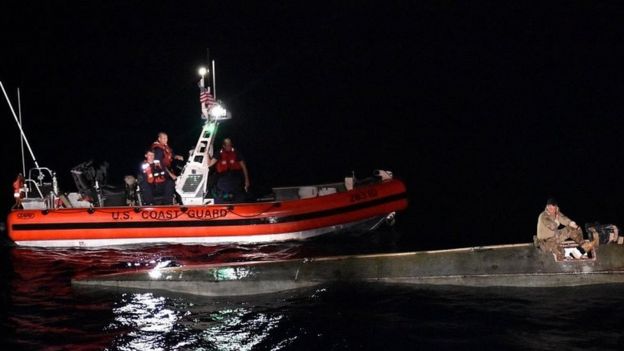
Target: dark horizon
[(484, 111)]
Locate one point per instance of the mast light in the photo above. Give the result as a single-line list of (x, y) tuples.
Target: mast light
[(218, 112)]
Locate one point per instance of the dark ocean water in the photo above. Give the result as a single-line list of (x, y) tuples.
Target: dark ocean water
[(42, 311)]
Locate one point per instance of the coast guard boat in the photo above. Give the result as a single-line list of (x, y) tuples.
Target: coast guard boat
[(101, 215)]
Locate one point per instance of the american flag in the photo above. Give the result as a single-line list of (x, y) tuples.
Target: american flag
[(205, 97)]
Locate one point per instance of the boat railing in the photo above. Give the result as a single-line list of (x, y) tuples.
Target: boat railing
[(40, 188), (31, 184), (36, 196), (40, 181), (43, 175), (308, 191)]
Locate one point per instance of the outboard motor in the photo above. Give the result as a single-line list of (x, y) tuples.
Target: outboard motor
[(607, 233), (84, 178), (93, 185)]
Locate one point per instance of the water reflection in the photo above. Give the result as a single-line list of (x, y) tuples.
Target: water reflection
[(42, 310), (155, 273), (152, 322), (240, 329), (149, 319)]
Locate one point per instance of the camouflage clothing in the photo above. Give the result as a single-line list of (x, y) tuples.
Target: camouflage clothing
[(549, 235)]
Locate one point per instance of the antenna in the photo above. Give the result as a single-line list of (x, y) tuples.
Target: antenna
[(19, 126), (19, 109), (214, 81)]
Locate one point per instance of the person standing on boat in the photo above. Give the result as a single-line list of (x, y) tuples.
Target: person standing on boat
[(549, 234), (165, 155), (153, 182), (232, 181)]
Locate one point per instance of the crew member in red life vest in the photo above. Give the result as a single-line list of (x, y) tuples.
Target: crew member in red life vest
[(154, 182), (164, 153), (232, 181), (18, 191)]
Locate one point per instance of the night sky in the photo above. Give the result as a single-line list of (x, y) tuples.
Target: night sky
[(484, 111)]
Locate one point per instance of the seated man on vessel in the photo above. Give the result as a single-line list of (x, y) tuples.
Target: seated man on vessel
[(550, 235), (155, 188)]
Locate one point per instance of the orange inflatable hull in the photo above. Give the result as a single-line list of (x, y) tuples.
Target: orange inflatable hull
[(244, 223)]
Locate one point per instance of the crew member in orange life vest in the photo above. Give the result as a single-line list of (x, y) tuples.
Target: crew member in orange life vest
[(164, 153), (232, 176), (154, 182), (18, 191)]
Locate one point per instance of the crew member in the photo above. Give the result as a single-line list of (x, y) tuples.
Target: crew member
[(232, 181), (154, 185), (18, 191), (165, 155)]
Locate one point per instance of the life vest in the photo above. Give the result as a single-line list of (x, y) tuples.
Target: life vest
[(167, 153), (18, 187), (154, 173), (228, 162)]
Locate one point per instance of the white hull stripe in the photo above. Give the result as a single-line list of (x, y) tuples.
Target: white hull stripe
[(241, 239)]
